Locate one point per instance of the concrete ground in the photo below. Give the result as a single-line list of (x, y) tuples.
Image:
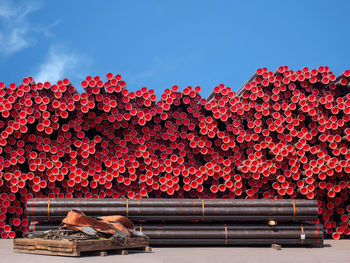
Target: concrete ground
[(334, 251)]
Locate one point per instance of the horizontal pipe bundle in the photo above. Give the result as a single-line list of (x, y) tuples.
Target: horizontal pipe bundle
[(220, 234), (237, 234), (177, 210), (236, 242), (43, 226), (156, 202), (185, 221)]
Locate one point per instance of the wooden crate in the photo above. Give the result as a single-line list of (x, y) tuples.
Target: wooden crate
[(76, 247)]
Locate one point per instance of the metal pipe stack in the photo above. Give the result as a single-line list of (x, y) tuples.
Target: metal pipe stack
[(185, 210), (195, 234), (282, 135), (196, 221)]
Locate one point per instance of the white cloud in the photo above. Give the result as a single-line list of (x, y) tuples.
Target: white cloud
[(46, 30), (6, 10), (16, 32), (58, 64)]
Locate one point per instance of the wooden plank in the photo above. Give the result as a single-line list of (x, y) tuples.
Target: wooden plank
[(92, 245), (48, 248), (148, 249), (74, 248), (276, 246), (43, 242), (103, 253), (46, 252), (137, 242)]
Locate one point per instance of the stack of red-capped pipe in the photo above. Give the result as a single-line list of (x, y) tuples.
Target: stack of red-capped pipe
[(284, 134)]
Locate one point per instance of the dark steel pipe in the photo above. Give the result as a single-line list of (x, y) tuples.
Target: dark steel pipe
[(195, 226), (200, 242), (154, 202), (246, 226), (233, 234), (182, 210), (195, 211), (184, 218)]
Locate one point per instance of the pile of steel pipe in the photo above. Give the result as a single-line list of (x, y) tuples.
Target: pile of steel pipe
[(148, 210), (176, 221), (227, 234), (284, 134), (220, 234)]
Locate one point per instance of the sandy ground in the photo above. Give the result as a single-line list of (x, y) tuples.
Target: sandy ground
[(334, 251)]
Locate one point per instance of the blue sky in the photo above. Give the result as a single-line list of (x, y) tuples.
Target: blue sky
[(158, 44)]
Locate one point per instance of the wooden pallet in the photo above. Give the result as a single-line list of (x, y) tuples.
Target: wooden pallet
[(76, 247)]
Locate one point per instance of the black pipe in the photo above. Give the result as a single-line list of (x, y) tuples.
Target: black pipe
[(154, 202), (196, 226), (247, 226), (211, 242), (232, 234), (184, 218), (268, 211)]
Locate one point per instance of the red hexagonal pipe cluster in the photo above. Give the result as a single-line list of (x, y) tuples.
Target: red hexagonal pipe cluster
[(284, 134)]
